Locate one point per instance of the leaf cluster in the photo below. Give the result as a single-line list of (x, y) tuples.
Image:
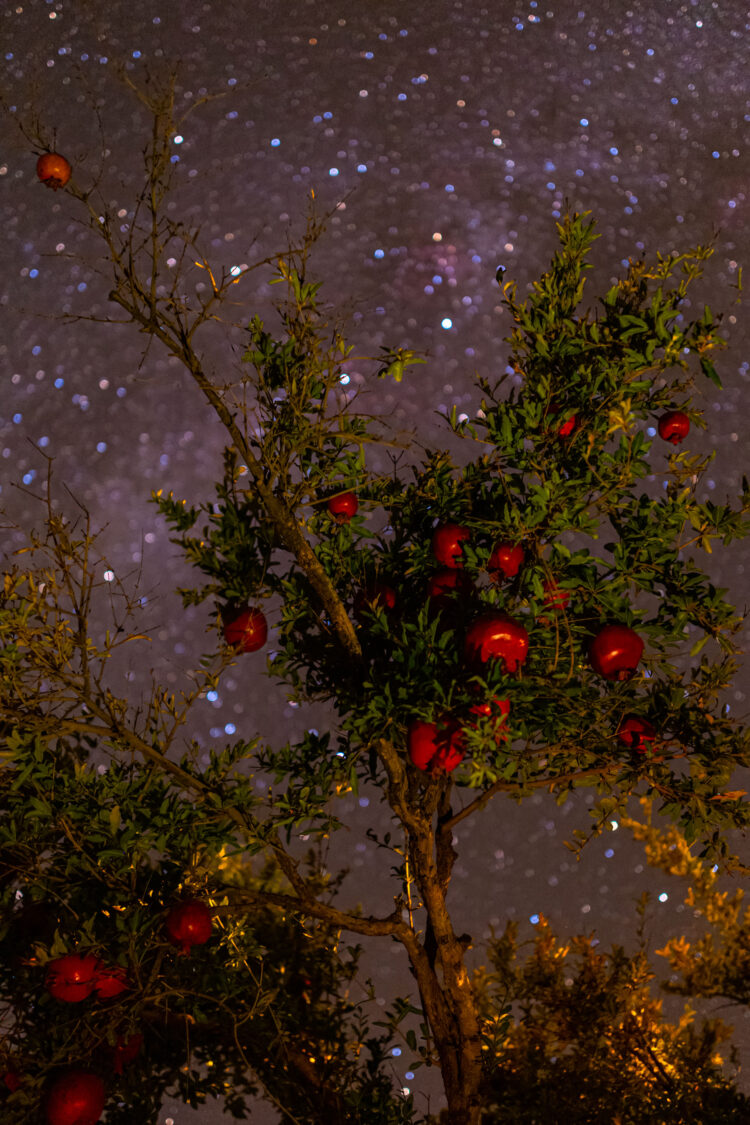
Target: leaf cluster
[(524, 482)]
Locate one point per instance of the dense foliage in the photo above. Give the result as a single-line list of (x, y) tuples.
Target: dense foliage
[(108, 820)]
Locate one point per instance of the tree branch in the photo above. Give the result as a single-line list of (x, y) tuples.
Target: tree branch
[(537, 783), (283, 518), (341, 919)]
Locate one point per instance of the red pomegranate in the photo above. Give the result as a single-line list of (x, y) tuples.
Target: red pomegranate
[(343, 507), (76, 1098), (443, 583), (110, 982), (435, 746), (188, 924), (674, 426), (246, 630), (615, 652), (446, 544), (53, 170), (12, 1079), (554, 597), (72, 977), (566, 428), (506, 559), (497, 636), (495, 709), (377, 596), (126, 1050), (636, 733)]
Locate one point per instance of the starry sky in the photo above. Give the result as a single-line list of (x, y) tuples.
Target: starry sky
[(451, 135)]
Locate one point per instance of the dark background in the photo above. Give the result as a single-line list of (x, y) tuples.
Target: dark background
[(460, 130)]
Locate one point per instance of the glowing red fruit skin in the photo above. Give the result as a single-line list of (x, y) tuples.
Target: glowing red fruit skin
[(72, 977), (110, 982), (497, 636), (421, 743), (554, 597), (674, 426), (76, 1098), (446, 582), (566, 428), (188, 924), (53, 170), (636, 733), (615, 652), (126, 1050), (487, 710), (343, 507), (247, 631), (506, 559), (446, 544), (435, 746), (12, 1079), (495, 709)]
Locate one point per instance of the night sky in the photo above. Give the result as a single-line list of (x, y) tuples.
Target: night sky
[(455, 132)]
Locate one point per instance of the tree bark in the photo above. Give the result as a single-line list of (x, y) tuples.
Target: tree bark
[(456, 1028)]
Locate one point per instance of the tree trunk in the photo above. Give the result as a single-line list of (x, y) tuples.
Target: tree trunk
[(449, 1003)]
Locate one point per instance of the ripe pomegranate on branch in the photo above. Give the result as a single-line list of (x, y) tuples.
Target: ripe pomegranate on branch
[(530, 617)]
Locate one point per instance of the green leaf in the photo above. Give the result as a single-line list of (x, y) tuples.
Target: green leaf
[(709, 371)]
